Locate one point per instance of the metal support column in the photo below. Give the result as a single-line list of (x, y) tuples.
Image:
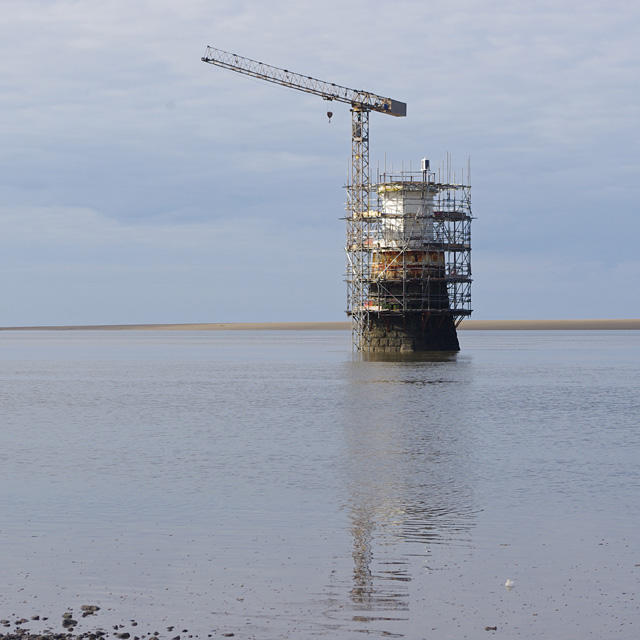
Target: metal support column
[(358, 250)]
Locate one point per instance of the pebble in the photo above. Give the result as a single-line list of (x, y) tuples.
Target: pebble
[(69, 624)]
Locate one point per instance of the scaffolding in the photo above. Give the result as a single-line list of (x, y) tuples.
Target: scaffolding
[(408, 250)]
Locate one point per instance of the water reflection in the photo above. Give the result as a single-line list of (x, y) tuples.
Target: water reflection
[(415, 356), (408, 478)]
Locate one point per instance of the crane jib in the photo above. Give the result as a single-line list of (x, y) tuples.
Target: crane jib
[(362, 100)]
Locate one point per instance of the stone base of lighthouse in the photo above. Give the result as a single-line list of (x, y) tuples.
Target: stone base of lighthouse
[(409, 333)]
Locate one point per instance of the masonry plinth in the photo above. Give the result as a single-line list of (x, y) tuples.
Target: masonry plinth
[(412, 333)]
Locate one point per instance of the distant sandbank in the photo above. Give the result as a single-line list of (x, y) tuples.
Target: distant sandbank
[(482, 325), (552, 325)]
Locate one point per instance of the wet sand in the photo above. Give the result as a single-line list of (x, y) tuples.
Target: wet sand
[(483, 325)]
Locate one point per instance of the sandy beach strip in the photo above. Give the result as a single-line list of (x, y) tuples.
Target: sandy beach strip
[(198, 326), (550, 325), (483, 325)]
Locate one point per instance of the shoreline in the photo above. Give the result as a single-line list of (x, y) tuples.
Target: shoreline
[(466, 325)]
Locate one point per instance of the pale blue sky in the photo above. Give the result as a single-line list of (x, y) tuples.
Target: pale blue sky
[(138, 184)]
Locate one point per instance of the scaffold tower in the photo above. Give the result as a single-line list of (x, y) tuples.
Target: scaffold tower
[(409, 261)]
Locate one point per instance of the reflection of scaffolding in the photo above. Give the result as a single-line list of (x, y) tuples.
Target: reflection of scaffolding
[(409, 258)]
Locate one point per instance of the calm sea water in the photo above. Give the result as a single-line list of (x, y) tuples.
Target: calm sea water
[(266, 484)]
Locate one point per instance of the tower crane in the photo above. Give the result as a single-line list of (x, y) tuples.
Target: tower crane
[(362, 103)]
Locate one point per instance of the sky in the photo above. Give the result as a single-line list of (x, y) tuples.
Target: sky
[(140, 185)]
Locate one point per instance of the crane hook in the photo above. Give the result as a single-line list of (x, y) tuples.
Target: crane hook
[(329, 115)]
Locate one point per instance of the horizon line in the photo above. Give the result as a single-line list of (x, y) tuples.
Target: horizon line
[(466, 325)]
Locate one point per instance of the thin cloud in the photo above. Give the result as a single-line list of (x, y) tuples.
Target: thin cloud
[(117, 137)]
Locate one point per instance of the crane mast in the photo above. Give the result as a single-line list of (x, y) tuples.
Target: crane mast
[(362, 103)]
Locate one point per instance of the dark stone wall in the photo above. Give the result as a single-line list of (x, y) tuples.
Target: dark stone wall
[(411, 332)]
